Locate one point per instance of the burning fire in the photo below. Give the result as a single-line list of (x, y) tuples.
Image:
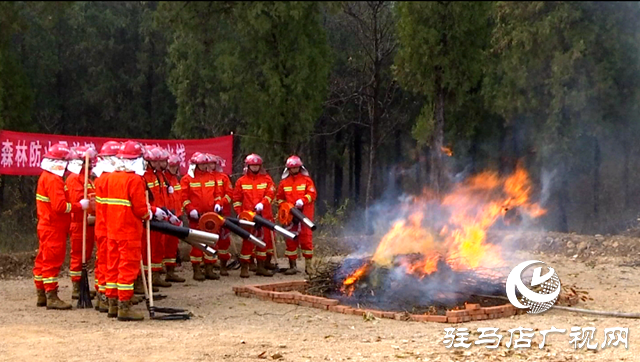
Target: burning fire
[(454, 229), (446, 150)]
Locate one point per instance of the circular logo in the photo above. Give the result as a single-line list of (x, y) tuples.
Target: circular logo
[(536, 302)]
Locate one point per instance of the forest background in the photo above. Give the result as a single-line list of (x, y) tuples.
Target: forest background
[(378, 98)]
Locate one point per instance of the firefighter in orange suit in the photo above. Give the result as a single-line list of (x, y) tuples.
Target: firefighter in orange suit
[(75, 185), (174, 201), (254, 191), (222, 205), (126, 207), (104, 167), (54, 219), (197, 189), (297, 188), (158, 197)]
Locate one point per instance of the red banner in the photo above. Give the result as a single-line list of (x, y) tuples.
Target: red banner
[(21, 153)]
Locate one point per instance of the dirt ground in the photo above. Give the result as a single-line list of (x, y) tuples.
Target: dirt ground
[(230, 328)]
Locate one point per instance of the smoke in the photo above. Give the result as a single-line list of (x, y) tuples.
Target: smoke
[(427, 249)]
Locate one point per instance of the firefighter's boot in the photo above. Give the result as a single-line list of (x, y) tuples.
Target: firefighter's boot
[(75, 293), (261, 270), (197, 272), (103, 303), (42, 298), (126, 314), (158, 281), (223, 268), (112, 311), (53, 302), (209, 273), (172, 276), (268, 265), (136, 299), (244, 270), (138, 287), (252, 264), (292, 268)]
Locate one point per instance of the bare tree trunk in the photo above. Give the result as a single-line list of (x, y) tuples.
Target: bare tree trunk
[(596, 181), (357, 164), (625, 172), (321, 173), (338, 173), (436, 170)]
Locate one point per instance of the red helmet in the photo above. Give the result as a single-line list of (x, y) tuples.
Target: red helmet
[(80, 152), (294, 161), (200, 158), (194, 157), (59, 151), (173, 160), (164, 154), (212, 158), (154, 153), (131, 150), (110, 148), (253, 159)]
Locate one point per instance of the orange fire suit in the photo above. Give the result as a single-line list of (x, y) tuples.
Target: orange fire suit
[(75, 185), (157, 198), (126, 207), (250, 190), (222, 196), (100, 230), (54, 220), (174, 200), (198, 194), (291, 189)]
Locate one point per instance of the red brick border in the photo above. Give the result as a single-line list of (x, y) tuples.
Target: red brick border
[(293, 293)]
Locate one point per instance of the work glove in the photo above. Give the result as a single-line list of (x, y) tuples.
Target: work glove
[(217, 208), (259, 207), (299, 204), (84, 203), (160, 214), (194, 214), (174, 220)]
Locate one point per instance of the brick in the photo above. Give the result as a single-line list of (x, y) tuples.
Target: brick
[(493, 310), (454, 319), (390, 315), (420, 318), (472, 306), (303, 303), (320, 306), (457, 313), (375, 313), (328, 302), (239, 289), (437, 318), (478, 317), (347, 310), (359, 312), (475, 312), (466, 319)]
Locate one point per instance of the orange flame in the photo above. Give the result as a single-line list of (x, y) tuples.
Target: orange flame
[(446, 150), (471, 209)]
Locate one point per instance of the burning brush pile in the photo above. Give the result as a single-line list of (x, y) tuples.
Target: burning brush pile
[(435, 255)]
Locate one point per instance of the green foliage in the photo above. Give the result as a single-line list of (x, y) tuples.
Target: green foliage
[(333, 221), (264, 64), (446, 36), (572, 65)]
